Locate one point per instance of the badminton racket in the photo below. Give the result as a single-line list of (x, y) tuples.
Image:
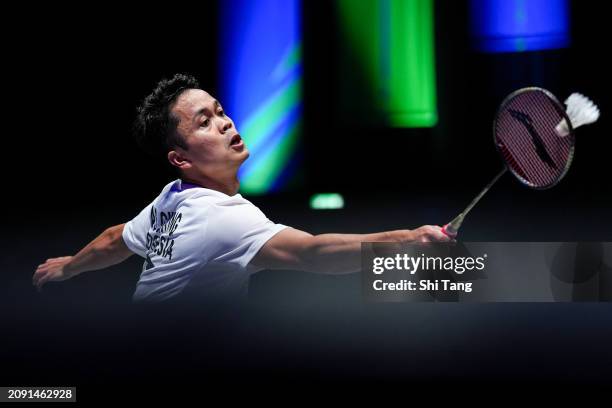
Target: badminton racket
[(534, 134)]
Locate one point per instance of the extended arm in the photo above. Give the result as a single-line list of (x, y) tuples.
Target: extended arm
[(106, 250), (331, 253)]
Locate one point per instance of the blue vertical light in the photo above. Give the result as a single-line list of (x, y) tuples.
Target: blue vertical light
[(261, 86), (519, 25)]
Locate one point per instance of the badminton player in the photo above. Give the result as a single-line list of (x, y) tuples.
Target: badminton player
[(199, 236)]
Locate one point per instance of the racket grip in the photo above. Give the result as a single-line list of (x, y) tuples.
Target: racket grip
[(449, 231), (452, 228)]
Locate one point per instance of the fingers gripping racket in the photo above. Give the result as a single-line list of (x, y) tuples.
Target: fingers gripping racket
[(534, 134)]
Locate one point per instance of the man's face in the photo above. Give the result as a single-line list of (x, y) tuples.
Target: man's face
[(215, 149)]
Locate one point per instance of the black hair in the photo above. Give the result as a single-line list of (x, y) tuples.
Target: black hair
[(155, 125)]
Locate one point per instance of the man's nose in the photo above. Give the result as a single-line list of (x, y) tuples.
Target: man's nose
[(226, 124)]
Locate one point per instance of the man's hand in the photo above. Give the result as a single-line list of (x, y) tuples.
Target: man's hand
[(53, 270), (426, 233)]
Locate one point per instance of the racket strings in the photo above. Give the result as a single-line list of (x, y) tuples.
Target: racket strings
[(527, 139)]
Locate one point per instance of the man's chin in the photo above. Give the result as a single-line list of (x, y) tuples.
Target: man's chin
[(245, 154)]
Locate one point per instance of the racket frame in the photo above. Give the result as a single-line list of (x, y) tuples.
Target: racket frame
[(561, 109)]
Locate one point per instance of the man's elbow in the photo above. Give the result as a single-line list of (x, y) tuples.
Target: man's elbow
[(305, 259), (311, 255), (112, 235), (113, 242), (330, 255)]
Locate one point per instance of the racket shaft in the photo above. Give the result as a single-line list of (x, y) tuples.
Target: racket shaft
[(483, 192), (452, 227)]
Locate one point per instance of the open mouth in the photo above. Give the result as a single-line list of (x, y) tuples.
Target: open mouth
[(236, 142)]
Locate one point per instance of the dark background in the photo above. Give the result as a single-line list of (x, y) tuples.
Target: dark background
[(87, 71), (72, 169)]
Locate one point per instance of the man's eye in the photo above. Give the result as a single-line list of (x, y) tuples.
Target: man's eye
[(222, 112), (206, 122)]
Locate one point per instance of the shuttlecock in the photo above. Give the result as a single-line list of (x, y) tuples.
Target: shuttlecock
[(581, 111)]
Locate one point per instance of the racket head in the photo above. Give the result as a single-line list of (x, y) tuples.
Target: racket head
[(526, 136)]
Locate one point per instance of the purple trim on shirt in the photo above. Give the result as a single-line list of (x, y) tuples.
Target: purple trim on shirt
[(182, 186)]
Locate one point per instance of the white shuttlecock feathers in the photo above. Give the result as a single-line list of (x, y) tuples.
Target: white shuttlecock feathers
[(581, 111)]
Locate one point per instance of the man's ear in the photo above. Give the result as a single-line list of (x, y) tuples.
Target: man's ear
[(178, 159)]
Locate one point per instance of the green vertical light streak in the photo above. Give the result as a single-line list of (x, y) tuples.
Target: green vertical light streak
[(360, 24), (394, 40), (412, 81)]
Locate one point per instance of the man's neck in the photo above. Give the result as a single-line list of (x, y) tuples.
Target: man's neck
[(227, 186)]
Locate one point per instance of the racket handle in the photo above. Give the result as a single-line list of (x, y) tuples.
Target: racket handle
[(449, 231), (452, 228)]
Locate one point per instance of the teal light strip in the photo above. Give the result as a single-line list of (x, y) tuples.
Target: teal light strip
[(327, 201)]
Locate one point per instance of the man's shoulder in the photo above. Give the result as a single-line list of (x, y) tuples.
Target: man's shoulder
[(201, 202)]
